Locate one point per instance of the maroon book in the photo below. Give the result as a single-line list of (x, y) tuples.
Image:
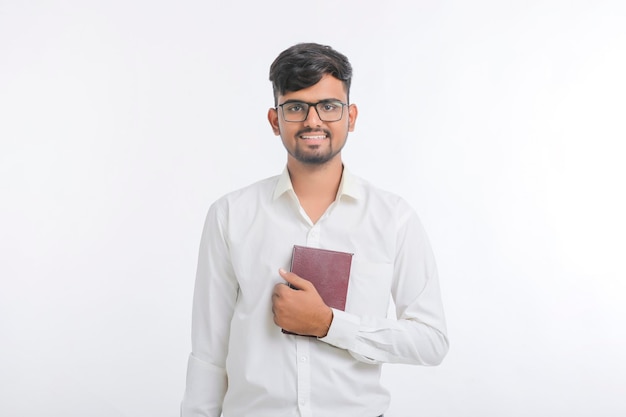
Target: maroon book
[(328, 270)]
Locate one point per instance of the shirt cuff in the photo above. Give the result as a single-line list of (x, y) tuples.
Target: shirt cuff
[(343, 330)]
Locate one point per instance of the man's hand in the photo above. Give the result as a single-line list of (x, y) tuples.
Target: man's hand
[(300, 310)]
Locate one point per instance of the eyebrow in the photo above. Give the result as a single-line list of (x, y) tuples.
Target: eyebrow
[(326, 100)]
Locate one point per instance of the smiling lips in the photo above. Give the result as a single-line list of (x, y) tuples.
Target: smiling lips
[(313, 137)]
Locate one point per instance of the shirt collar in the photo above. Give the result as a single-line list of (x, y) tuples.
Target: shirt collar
[(349, 186), (283, 185)]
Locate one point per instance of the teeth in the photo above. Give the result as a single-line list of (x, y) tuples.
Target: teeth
[(313, 137)]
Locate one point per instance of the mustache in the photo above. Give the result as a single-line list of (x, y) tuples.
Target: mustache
[(314, 131)]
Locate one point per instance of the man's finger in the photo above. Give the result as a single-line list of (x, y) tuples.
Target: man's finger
[(293, 279)]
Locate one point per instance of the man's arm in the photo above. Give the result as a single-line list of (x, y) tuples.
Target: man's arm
[(214, 299), (418, 336)]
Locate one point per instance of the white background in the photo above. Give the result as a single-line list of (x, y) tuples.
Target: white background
[(502, 122)]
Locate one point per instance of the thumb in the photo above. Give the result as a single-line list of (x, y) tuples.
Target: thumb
[(293, 279)]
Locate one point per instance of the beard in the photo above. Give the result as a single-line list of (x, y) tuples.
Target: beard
[(314, 155)]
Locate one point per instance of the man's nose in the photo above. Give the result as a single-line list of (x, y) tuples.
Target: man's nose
[(312, 117)]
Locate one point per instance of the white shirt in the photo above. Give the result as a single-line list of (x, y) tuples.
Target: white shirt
[(241, 363)]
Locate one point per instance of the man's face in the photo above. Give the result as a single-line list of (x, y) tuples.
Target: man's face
[(313, 141)]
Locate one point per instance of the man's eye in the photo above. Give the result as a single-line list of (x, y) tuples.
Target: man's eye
[(329, 107), (295, 108)]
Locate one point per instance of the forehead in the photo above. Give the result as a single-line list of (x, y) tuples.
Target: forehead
[(327, 88)]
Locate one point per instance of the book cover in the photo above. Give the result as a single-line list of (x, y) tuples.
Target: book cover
[(328, 270)]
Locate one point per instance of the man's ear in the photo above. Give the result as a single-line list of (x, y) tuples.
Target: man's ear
[(272, 117), (353, 112)]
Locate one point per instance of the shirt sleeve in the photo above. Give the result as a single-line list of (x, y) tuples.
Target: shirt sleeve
[(418, 335), (210, 329)]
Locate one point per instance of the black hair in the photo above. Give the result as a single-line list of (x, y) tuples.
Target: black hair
[(304, 64)]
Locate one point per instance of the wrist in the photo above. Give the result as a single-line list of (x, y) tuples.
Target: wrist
[(325, 325)]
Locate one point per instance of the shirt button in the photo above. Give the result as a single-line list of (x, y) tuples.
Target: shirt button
[(303, 358), (302, 402)]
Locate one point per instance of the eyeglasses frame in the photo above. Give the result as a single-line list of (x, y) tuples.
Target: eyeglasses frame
[(312, 105)]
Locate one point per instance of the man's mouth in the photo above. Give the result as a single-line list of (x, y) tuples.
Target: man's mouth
[(313, 137)]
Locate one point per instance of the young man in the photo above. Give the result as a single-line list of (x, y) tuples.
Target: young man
[(241, 363)]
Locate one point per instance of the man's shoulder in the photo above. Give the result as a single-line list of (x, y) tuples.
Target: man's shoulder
[(389, 207), (260, 189), (375, 192)]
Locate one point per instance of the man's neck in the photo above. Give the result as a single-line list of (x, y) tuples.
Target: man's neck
[(315, 185), (315, 180)]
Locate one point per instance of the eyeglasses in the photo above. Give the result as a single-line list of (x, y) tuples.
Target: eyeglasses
[(298, 111)]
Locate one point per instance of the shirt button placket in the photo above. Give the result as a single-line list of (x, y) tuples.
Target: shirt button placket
[(313, 237), (302, 347), (304, 376)]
